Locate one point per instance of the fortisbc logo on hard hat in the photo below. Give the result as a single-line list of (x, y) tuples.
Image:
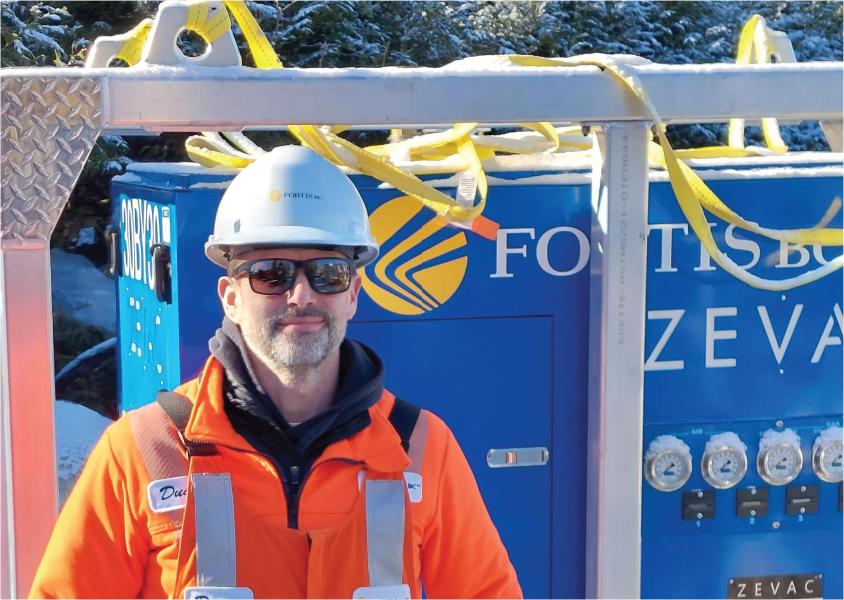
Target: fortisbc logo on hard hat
[(411, 277), (275, 196)]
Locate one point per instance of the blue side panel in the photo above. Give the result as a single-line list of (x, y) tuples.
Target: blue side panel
[(148, 340), (794, 386), (165, 343), (730, 364), (200, 306)]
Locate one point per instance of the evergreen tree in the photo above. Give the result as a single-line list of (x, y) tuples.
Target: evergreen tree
[(320, 33), (330, 34), (421, 33)]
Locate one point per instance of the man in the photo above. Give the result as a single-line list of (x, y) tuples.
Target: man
[(285, 469)]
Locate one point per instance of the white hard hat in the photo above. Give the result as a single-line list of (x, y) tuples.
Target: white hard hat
[(291, 197)]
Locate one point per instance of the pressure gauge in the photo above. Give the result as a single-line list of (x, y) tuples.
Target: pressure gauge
[(724, 461), (668, 463), (826, 454), (780, 459)]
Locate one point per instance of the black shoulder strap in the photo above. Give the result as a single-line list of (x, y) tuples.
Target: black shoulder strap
[(178, 409), (176, 406), (403, 417)]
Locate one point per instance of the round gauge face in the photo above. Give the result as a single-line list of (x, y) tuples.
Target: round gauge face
[(724, 467), (827, 462), (668, 471), (780, 464)]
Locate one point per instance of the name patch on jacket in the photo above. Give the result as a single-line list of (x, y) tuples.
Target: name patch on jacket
[(165, 495)]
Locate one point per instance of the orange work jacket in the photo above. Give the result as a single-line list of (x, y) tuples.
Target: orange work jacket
[(108, 542)]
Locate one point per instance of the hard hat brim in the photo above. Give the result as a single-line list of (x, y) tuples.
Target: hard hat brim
[(293, 236)]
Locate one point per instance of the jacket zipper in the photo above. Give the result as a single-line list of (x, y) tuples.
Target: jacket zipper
[(292, 499), (293, 504)]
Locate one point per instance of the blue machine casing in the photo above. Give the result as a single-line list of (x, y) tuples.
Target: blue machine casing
[(493, 336), (756, 377)]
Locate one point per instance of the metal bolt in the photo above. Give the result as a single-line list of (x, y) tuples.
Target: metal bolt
[(700, 515), (775, 524), (779, 423), (802, 488), (752, 491), (700, 494), (752, 513), (802, 510)]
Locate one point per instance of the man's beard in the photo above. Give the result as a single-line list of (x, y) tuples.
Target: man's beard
[(293, 352)]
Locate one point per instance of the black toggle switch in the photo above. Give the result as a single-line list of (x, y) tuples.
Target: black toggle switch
[(699, 504), (801, 500), (752, 502)]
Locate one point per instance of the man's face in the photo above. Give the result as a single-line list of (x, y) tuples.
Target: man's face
[(296, 330)]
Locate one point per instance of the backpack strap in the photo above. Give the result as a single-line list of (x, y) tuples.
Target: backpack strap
[(403, 418), (176, 406), (178, 409), (411, 423)]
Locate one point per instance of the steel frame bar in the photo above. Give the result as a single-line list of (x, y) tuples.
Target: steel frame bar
[(172, 98), (51, 118), (29, 325), (616, 348)]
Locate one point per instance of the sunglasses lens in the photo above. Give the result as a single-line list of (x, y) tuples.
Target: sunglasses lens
[(329, 275), (272, 276)]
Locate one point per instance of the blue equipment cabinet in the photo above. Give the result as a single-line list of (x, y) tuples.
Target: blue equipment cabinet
[(721, 356), (493, 336), (490, 335)]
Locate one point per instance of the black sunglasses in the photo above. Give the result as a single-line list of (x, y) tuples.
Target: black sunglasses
[(273, 276)]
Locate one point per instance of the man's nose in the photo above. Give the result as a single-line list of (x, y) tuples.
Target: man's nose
[(301, 293)]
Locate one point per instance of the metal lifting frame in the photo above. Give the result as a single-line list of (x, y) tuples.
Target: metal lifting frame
[(51, 119)]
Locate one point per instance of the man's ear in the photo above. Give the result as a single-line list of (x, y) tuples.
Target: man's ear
[(227, 291), (354, 292)]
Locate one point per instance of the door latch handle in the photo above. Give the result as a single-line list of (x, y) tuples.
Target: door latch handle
[(517, 457)]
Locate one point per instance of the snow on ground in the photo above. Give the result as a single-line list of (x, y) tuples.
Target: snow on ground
[(77, 430), (82, 291)]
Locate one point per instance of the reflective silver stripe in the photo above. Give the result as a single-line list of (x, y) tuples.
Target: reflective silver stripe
[(418, 438), (385, 531), (215, 544)]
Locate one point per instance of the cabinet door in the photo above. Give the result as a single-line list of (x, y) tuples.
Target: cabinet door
[(491, 381)]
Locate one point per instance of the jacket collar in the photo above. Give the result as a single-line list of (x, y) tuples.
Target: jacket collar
[(378, 445)]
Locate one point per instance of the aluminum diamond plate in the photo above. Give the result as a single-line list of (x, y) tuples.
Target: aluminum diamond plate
[(49, 126)]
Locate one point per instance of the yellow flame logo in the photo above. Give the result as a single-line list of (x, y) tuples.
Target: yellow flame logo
[(406, 278)]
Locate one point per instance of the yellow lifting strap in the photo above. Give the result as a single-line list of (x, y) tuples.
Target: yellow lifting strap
[(694, 195), (754, 47), (207, 23), (131, 50), (342, 152)]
